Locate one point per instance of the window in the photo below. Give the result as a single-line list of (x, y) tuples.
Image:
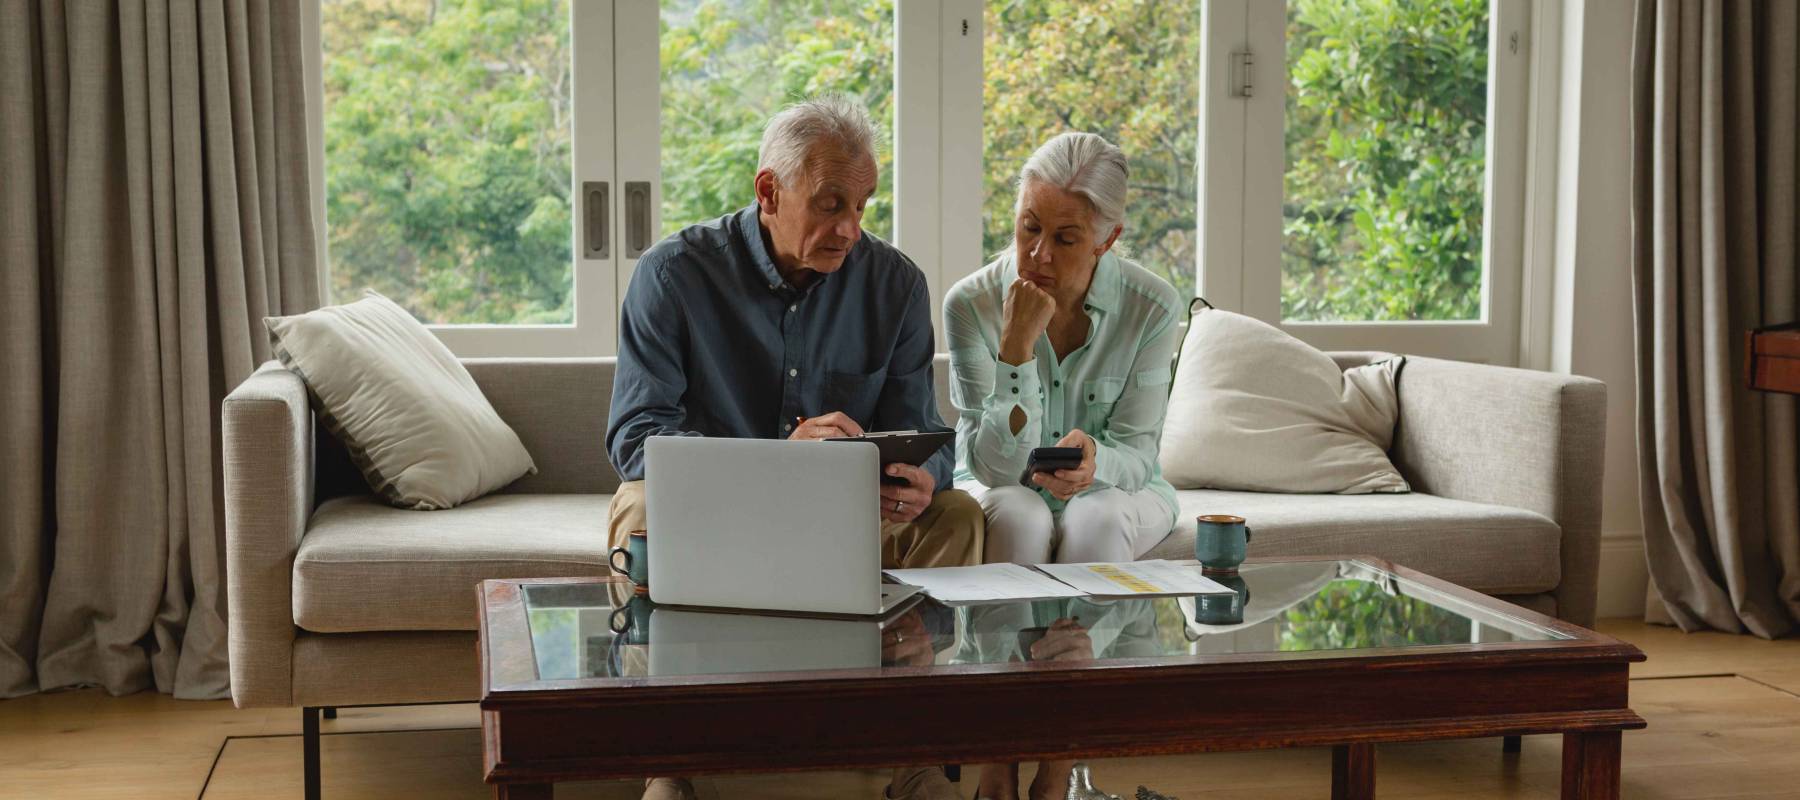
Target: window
[(728, 65), (447, 151), (1386, 139), (1126, 70)]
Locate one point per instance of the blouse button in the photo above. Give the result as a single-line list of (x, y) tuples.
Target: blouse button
[(1015, 390)]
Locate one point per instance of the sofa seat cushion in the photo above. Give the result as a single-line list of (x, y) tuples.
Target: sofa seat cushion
[(367, 566), (1489, 548)]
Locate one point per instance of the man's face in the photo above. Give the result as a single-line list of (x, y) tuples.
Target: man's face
[(816, 218)]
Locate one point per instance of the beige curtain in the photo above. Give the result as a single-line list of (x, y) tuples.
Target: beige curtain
[(1714, 146), (153, 208)]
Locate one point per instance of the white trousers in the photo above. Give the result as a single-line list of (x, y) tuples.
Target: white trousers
[(1107, 525)]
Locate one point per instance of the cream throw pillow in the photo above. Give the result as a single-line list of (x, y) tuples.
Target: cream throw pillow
[(414, 421), (1255, 409)]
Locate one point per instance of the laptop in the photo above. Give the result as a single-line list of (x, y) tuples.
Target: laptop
[(767, 525)]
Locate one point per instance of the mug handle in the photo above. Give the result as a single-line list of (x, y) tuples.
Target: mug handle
[(613, 621), (1247, 533), (612, 559)]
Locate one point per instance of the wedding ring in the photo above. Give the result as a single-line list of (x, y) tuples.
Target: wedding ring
[(897, 506)]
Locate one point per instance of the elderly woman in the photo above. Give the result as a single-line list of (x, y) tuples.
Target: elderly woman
[(1060, 342)]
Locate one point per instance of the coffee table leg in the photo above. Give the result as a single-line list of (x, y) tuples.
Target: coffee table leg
[(1353, 772), (522, 791), (1590, 766)]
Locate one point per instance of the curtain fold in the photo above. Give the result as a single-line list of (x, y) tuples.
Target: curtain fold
[(1714, 150), (154, 206)]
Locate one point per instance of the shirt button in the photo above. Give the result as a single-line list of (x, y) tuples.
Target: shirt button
[(793, 308), (1015, 376), (1057, 384), (1090, 398), (787, 426), (794, 372), (1057, 434), (1015, 390)]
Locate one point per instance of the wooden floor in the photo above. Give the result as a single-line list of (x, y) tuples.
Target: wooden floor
[(1724, 715)]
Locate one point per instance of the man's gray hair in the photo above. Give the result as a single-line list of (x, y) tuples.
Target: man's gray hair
[(830, 118), (1084, 164)]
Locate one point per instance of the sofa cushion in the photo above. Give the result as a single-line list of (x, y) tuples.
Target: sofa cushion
[(366, 566), (1489, 548)]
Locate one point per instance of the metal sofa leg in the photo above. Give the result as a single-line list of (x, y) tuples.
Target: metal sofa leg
[(309, 745), (1510, 744), (328, 712)]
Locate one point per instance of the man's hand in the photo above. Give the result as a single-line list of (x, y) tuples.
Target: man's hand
[(1024, 316), (835, 425), (906, 642), (1066, 483), (904, 503), (1065, 641)]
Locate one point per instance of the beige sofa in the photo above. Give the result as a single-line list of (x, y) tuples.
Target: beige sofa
[(339, 600)]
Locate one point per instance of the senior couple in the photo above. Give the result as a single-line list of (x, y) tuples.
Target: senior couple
[(785, 320)]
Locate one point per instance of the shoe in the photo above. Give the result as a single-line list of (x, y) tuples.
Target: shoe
[(1081, 785), (921, 783), (668, 789)]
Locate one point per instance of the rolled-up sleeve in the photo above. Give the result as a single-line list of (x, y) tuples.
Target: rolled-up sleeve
[(908, 401), (1126, 449), (985, 390), (651, 377)]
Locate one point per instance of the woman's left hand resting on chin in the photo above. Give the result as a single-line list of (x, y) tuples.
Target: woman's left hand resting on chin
[(1066, 483)]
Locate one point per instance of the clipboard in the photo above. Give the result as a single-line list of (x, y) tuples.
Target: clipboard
[(903, 447)]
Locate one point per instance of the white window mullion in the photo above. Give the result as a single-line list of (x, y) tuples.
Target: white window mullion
[(917, 151), (960, 148)]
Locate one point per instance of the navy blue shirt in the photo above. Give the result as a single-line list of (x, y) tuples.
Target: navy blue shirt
[(713, 342)]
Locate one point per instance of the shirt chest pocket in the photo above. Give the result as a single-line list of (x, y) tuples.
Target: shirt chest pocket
[(1100, 395), (855, 394)]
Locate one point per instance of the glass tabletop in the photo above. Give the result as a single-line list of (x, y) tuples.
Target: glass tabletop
[(601, 630)]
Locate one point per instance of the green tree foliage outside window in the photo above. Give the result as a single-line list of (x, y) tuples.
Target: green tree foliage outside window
[(1386, 136), (728, 65), (447, 156)]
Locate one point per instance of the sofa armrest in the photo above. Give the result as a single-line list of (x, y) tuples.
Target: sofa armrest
[(268, 460), (1514, 437)]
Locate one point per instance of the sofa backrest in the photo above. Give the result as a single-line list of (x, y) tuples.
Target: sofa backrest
[(558, 406)]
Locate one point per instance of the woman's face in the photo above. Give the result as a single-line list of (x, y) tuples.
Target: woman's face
[(1056, 245)]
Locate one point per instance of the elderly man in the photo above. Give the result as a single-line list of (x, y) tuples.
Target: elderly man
[(785, 320)]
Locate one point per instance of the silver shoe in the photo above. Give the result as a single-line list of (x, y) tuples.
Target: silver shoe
[(1081, 785)]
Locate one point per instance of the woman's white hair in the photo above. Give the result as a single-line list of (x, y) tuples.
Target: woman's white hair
[(1083, 164), (792, 132)]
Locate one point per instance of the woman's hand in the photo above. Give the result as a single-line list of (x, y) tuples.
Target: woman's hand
[(1065, 641), (1066, 483), (1025, 316)]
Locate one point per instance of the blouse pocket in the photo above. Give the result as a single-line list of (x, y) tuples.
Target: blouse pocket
[(1101, 394)]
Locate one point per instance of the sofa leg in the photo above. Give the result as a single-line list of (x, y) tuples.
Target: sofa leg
[(1510, 744), (309, 746), (328, 712)]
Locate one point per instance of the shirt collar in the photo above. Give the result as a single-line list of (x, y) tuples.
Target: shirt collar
[(751, 224), (1103, 290)]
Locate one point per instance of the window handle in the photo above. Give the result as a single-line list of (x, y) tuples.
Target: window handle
[(637, 218), (596, 213)]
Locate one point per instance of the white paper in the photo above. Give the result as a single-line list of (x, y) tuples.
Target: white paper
[(984, 583), (1134, 579)]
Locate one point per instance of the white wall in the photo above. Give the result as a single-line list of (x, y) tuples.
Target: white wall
[(1591, 327)]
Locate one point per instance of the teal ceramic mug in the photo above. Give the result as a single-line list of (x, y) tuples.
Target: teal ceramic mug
[(1221, 542), (631, 621), (1223, 609), (636, 552)]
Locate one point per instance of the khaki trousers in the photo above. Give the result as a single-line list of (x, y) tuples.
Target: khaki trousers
[(948, 533)]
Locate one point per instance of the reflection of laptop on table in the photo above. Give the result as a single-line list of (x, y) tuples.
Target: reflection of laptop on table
[(766, 525)]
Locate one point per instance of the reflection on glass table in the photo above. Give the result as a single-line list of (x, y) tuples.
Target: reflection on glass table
[(599, 630)]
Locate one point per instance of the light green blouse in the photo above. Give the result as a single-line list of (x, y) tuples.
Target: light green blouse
[(1115, 387)]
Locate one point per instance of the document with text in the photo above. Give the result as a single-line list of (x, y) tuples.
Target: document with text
[(988, 583)]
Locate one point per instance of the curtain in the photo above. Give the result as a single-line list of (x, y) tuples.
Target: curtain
[(1714, 149), (153, 208)]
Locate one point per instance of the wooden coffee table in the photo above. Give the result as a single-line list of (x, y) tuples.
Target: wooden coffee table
[(1345, 652)]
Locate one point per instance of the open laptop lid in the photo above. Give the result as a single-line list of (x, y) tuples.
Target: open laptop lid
[(764, 524)]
